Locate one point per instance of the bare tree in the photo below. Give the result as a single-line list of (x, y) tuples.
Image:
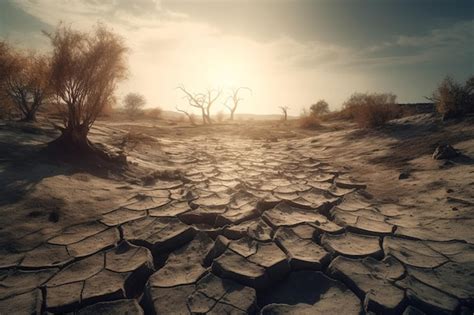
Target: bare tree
[(86, 68), (25, 80), (285, 109), (319, 108), (210, 97), (189, 115), (203, 101), (235, 100), (133, 104)]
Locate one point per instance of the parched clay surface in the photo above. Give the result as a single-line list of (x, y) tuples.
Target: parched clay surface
[(273, 230)]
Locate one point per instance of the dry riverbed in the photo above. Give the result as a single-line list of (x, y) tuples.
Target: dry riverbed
[(241, 218)]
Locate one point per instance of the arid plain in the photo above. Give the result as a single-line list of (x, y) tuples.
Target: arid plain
[(242, 217)]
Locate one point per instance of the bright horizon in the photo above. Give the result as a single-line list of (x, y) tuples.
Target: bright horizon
[(289, 53)]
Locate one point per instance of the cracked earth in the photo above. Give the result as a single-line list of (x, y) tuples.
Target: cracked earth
[(251, 227)]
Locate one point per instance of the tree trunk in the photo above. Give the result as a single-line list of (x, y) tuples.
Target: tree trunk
[(73, 140), (208, 119), (29, 117), (232, 115), (204, 118), (74, 145)]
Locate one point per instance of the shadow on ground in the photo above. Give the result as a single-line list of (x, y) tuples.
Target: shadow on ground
[(415, 138)]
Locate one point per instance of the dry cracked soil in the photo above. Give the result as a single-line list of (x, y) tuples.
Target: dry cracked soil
[(249, 225)]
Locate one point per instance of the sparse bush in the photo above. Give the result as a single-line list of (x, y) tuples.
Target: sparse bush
[(453, 99), (320, 108), (371, 110), (24, 79), (133, 104)]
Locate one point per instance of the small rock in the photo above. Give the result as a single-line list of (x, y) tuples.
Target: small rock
[(404, 175), (53, 217), (444, 151)]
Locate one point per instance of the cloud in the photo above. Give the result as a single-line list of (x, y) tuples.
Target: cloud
[(123, 13), (446, 43), (168, 48)]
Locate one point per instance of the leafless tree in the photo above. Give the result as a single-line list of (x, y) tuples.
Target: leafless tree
[(25, 80), (133, 104), (203, 101), (235, 100), (285, 109), (189, 115), (86, 68)]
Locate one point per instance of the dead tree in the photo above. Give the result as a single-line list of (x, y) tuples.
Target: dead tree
[(209, 99), (285, 109), (86, 68), (190, 116), (203, 101), (25, 80), (235, 100), (197, 101)]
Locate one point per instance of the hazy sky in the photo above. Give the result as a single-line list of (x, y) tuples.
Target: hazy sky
[(289, 52)]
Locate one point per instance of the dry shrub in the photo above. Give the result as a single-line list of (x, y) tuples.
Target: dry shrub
[(453, 99), (309, 121), (7, 109), (371, 110)]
